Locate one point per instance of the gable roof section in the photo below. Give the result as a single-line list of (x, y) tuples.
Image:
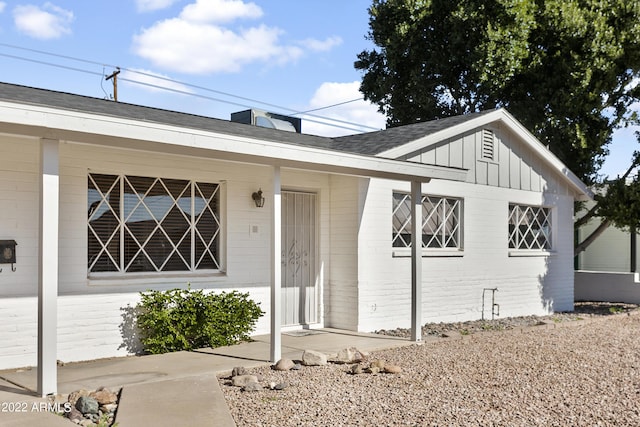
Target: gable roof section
[(423, 135)]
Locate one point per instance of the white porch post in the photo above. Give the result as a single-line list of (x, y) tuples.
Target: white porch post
[(48, 267), (416, 261), (276, 267)]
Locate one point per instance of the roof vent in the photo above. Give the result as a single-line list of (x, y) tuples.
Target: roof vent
[(268, 120), (488, 147)]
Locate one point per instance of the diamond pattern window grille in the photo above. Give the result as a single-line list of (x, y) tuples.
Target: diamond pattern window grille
[(142, 224), (441, 221), (529, 227)]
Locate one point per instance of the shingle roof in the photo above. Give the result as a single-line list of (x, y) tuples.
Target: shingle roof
[(383, 140), (371, 143)]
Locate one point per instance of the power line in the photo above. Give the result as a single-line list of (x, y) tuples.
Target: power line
[(359, 127), (50, 64), (182, 92), (331, 106)]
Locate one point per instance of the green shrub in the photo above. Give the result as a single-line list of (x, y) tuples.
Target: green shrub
[(180, 319)]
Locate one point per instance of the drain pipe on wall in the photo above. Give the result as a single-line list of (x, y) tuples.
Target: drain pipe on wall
[(495, 308)]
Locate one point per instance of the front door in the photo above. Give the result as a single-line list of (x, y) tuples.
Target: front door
[(299, 288)]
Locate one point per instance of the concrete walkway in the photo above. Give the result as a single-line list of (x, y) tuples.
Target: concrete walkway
[(176, 389)]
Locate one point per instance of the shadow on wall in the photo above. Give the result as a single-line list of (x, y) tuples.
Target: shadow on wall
[(129, 330), (549, 285), (545, 289)]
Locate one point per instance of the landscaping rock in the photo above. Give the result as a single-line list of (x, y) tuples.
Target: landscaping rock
[(314, 358), (284, 365), (74, 415), (87, 405), (392, 369), (242, 380), (373, 370), (239, 370), (379, 364), (104, 396), (75, 395), (349, 355), (108, 408), (252, 387), (356, 369)]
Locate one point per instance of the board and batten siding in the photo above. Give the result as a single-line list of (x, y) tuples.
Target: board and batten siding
[(91, 310), (453, 285), (514, 165)]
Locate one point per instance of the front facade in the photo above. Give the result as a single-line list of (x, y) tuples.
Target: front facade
[(107, 200)]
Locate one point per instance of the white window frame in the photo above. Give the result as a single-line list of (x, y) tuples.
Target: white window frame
[(438, 230), (530, 230), (191, 199)]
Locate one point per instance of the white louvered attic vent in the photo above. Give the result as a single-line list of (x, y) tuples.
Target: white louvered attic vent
[(488, 145)]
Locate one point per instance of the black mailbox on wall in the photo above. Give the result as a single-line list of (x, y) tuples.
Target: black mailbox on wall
[(8, 251)]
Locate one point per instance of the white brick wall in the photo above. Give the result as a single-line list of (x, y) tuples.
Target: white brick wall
[(90, 310), (342, 309), (453, 286)]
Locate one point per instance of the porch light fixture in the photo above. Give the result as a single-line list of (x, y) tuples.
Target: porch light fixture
[(258, 198)]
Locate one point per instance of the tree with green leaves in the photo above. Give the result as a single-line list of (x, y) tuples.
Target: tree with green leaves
[(567, 69)]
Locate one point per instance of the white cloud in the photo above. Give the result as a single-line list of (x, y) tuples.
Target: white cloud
[(151, 81), (179, 45), (220, 11), (46, 22), (321, 45), (363, 115), (196, 42), (2, 6), (151, 5)]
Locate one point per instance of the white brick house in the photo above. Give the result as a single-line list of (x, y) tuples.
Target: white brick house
[(106, 200)]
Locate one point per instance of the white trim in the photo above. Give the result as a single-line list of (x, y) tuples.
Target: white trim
[(416, 261), (95, 129), (530, 253), (427, 253), (48, 259), (276, 268)]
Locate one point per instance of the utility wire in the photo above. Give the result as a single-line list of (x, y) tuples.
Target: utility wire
[(50, 64), (331, 106), (182, 92), (291, 111)]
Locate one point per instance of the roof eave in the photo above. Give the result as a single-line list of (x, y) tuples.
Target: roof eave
[(95, 129)]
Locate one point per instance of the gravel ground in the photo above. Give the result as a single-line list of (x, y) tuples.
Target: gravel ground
[(577, 374)]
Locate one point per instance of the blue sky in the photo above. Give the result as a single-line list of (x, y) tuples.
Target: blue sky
[(295, 55)]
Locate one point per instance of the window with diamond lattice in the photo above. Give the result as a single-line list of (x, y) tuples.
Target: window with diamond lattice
[(441, 221), (141, 224), (529, 227)]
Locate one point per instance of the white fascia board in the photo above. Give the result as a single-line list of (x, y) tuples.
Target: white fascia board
[(502, 115), (118, 132)]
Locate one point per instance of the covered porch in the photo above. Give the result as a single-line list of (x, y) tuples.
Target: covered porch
[(51, 127)]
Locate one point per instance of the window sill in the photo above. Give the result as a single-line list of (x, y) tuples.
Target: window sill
[(406, 253), (108, 279), (530, 253)]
